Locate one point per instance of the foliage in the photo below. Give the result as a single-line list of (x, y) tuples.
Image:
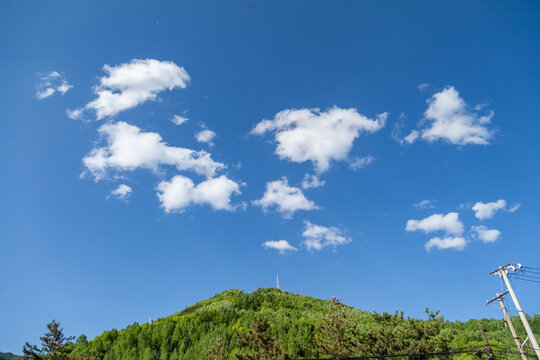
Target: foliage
[(337, 336), (261, 345), (7, 356), (296, 323), (55, 346)]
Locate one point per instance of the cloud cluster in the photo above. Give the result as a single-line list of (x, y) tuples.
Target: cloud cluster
[(52, 83), (282, 246), (129, 148), (287, 199), (449, 118), (180, 192), (449, 224), (317, 136), (130, 84), (484, 211), (317, 237)]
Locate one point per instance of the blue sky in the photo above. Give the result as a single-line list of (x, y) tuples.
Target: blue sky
[(112, 213)]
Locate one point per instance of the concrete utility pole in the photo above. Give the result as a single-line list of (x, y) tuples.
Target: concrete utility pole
[(277, 281), (502, 272), (491, 354), (509, 322)]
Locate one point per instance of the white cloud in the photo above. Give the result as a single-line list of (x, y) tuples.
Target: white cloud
[(451, 119), (45, 93), (412, 137), (422, 86), (122, 192), (514, 208), (360, 162), (487, 210), (320, 137), (180, 192), (130, 84), (286, 198), (50, 84), (179, 120), (485, 234), (456, 243), (206, 136), (449, 223), (312, 181), (425, 204), (317, 237), (281, 245), (128, 148)]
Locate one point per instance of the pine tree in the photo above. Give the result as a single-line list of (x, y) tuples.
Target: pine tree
[(218, 350), (54, 345), (336, 336), (262, 345)]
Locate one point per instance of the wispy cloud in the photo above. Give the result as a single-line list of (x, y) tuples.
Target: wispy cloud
[(52, 83)]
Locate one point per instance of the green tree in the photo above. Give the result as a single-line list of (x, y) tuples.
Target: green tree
[(336, 336), (218, 349), (261, 345), (55, 345)]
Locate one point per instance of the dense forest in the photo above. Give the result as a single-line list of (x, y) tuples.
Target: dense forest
[(274, 324)]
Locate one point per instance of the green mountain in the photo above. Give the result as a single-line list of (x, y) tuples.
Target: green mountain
[(7, 356), (294, 320)]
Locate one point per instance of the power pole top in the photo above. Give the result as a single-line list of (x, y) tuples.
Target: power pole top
[(505, 268)]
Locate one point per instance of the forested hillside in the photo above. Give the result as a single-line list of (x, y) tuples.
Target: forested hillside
[(7, 356), (297, 324)]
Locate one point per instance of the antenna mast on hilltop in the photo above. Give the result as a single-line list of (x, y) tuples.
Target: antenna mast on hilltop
[(277, 281)]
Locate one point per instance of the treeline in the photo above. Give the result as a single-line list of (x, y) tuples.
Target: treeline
[(274, 324)]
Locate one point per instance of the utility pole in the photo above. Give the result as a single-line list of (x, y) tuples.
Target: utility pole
[(509, 322), (277, 281), (491, 354), (502, 272)]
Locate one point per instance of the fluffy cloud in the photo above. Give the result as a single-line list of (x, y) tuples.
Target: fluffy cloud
[(122, 192), (281, 245), (361, 162), (451, 119), (206, 136), (425, 204), (178, 120), (317, 136), (448, 223), (130, 84), (312, 181), (50, 84), (129, 148), (487, 210), (486, 235), (180, 192), (317, 237), (285, 198), (449, 242)]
